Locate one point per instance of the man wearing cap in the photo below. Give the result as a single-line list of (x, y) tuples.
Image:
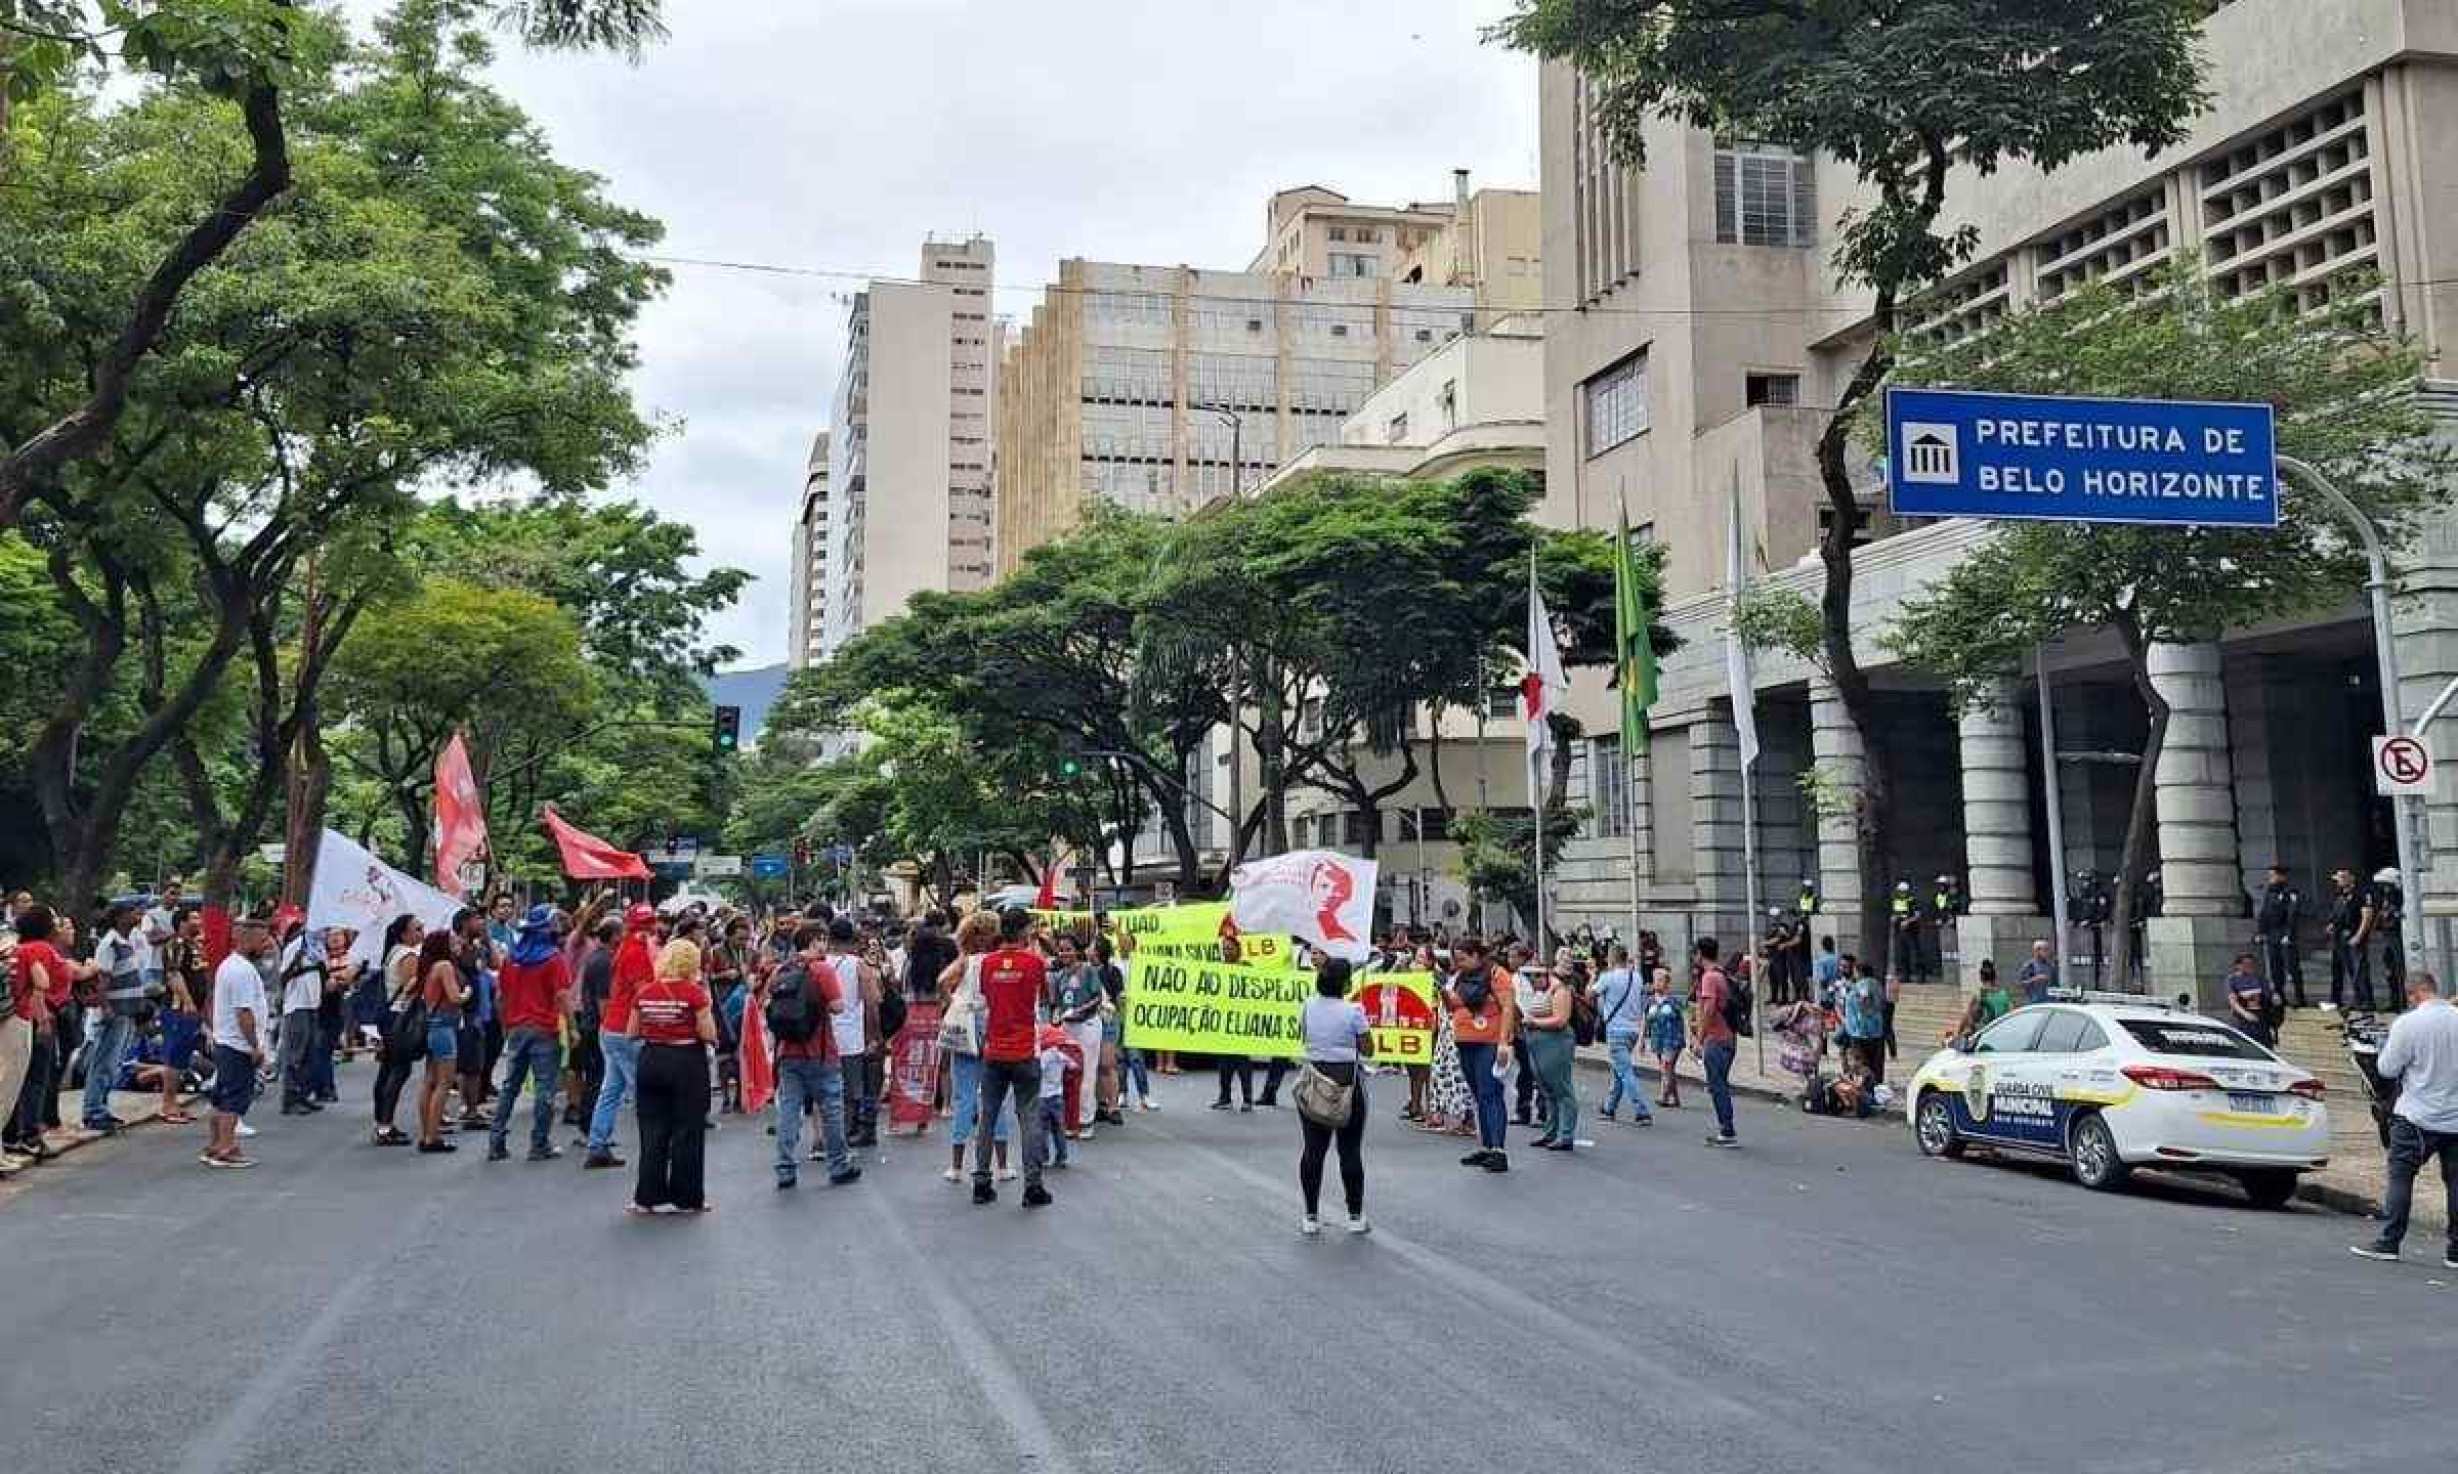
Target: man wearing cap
[(535, 994), (635, 962), (238, 1040)]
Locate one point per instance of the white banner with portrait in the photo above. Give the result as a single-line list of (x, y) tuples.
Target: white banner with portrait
[(1323, 898)]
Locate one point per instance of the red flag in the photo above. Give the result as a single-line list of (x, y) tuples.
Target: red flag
[(587, 857), (1048, 899), (460, 816), (758, 1068)]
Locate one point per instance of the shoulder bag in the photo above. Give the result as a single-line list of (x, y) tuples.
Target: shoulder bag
[(956, 1034)]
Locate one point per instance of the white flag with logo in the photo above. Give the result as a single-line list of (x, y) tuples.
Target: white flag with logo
[(1322, 898), (355, 889), (1544, 688), (1737, 659)]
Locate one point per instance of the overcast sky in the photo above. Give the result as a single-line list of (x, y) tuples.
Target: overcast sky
[(833, 135)]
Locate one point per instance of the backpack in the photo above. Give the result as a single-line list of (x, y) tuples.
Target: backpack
[(1475, 990), (1738, 1005), (792, 1012)]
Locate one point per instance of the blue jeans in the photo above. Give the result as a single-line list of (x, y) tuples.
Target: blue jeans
[(537, 1056), (102, 1065), (622, 1074), (1476, 1061), (964, 1079), (1054, 1130), (1132, 1066), (1625, 1079), (1718, 1057), (801, 1081)]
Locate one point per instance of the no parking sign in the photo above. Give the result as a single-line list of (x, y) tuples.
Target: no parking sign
[(2401, 765)]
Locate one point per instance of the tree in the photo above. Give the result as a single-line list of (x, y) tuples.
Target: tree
[(504, 665), (242, 54), (394, 320), (2343, 387), (1900, 91)]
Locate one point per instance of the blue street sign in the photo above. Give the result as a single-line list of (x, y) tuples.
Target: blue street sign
[(769, 867), (1957, 453)]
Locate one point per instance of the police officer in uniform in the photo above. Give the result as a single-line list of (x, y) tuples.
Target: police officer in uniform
[(1904, 914), (1804, 908), (2351, 935), (2389, 923), (1781, 954), (1945, 904), (2275, 917)]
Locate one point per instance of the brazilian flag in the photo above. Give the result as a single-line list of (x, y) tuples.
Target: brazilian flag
[(1635, 664)]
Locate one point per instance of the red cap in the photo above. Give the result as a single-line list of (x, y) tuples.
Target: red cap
[(641, 916)]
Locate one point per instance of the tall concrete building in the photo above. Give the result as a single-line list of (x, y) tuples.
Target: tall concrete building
[(810, 553), (1135, 385), (908, 484), (1709, 330)]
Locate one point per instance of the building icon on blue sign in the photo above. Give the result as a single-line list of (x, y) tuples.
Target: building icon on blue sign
[(1931, 453)]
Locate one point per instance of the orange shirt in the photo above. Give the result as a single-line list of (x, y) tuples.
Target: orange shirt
[(1490, 1024)]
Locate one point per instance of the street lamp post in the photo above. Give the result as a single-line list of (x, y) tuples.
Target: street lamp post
[(1237, 491)]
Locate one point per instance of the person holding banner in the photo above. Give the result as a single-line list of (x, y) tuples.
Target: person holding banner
[(1337, 1038)]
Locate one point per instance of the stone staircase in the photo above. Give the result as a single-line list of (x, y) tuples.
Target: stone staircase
[(1922, 1012), (2310, 1040)]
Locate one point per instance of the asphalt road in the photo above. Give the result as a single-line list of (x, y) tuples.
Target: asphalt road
[(1821, 1299)]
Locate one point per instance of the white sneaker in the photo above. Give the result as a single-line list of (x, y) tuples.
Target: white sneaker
[(1358, 1224), (1310, 1225), (952, 1175), (1146, 1104), (246, 1130), (1004, 1174)]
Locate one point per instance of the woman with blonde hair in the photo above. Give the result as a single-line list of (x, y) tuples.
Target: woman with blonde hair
[(675, 1024), (960, 1035)]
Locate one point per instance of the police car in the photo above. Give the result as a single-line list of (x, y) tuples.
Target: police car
[(2107, 1083)]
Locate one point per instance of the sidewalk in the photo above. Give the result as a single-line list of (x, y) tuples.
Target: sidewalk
[(137, 1108), (2354, 1182)]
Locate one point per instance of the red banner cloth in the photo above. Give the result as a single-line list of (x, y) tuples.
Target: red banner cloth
[(587, 857), (759, 1067), (913, 1073), (460, 816)]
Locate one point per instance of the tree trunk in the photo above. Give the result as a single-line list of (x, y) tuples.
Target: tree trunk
[(311, 780), (1874, 829), (2144, 813)]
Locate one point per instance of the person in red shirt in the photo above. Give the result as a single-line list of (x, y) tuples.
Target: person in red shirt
[(41, 981), (635, 963), (534, 995), (1012, 981), (675, 1023), (1716, 1039), (30, 974)]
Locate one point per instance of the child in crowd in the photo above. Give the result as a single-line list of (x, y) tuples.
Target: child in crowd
[(1061, 1068), (1667, 1033)]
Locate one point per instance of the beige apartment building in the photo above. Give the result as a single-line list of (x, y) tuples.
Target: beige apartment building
[(1709, 329), (908, 504), (1139, 385), (810, 554)]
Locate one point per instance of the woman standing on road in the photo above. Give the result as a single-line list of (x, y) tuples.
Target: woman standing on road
[(1552, 1050), (439, 978), (1076, 1000), (960, 995), (1337, 1038), (675, 1023), (397, 987)]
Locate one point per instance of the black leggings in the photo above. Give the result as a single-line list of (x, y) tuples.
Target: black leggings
[(1244, 1070), (673, 1125), (1352, 1139), (391, 1075)]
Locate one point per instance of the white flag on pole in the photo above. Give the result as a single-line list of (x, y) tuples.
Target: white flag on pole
[(1544, 688), (355, 889), (1322, 898), (1737, 659)]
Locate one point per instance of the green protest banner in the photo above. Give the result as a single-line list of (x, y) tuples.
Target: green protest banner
[(1185, 1003)]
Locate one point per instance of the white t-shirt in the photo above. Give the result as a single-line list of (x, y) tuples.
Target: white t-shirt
[(237, 985), (1053, 1073), (124, 958), (1332, 1027), (305, 989), (848, 1023), (159, 926), (2422, 1053)]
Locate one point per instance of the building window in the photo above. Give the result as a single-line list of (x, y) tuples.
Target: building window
[(1339, 232), (1350, 263), (1339, 330), (1502, 701), (1761, 389), (1354, 827), (1433, 826), (1396, 433), (1616, 404), (1254, 324), (1764, 196), (1366, 234), (1425, 335), (1610, 790), (1448, 403)]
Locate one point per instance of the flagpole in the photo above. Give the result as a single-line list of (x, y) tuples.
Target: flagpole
[(1536, 791), (1630, 752), (1745, 725)]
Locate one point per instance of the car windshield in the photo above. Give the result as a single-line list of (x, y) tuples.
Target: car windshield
[(2192, 1036)]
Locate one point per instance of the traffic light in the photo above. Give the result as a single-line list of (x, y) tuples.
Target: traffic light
[(1070, 766), (729, 728)]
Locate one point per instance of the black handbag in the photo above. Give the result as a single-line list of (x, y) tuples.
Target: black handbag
[(405, 1036)]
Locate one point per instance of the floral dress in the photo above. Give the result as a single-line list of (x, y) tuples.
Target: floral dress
[(1451, 1099)]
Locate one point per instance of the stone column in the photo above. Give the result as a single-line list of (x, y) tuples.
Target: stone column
[(1715, 825), (2005, 915), (1835, 749), (2204, 890), (2426, 620)]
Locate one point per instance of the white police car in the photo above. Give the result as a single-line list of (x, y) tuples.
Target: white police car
[(2107, 1086)]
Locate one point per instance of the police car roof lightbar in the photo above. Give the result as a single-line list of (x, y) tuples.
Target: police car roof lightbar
[(2178, 1004)]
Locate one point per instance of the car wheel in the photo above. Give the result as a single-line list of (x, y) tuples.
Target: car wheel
[(2096, 1163), (1933, 1128), (2269, 1189)]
